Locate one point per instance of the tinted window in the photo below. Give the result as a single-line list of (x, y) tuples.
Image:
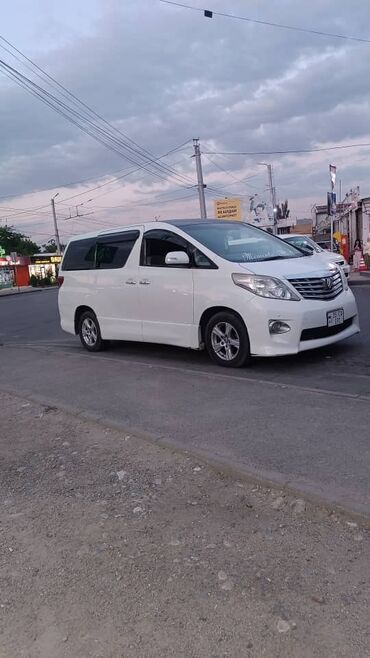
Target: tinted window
[(158, 243), (241, 243), (112, 251), (80, 255)]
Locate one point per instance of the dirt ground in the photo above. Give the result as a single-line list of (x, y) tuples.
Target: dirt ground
[(112, 547)]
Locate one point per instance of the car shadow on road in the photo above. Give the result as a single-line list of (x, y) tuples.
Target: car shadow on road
[(340, 353)]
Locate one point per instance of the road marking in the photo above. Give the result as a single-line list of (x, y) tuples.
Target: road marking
[(196, 371)]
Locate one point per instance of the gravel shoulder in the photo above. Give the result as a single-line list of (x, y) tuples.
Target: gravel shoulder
[(112, 547)]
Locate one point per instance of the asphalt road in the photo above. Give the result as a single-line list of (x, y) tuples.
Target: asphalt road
[(302, 421)]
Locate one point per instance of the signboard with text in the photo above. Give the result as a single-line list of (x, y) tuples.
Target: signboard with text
[(228, 209), (45, 260)]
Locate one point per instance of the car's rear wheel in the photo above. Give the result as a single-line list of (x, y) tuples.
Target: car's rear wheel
[(227, 341), (89, 332)]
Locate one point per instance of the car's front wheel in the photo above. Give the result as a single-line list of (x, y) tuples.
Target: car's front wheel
[(227, 341), (89, 332)]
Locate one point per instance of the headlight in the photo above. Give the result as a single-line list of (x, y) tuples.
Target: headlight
[(265, 286)]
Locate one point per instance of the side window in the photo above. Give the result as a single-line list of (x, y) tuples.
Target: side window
[(158, 243), (80, 255), (200, 261), (112, 251)]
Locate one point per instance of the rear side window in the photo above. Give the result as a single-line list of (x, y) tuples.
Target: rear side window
[(103, 252), (113, 251), (80, 255)]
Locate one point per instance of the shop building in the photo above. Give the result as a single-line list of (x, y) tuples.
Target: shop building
[(44, 266), (351, 221), (14, 271)]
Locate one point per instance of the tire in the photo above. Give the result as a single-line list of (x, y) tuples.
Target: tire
[(227, 341), (89, 332)]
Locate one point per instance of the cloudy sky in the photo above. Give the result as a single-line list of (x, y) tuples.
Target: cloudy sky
[(161, 75)]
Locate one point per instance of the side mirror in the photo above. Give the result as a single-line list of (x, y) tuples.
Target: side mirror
[(308, 248), (177, 258)]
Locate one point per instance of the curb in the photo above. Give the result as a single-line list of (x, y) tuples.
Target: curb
[(25, 292), (269, 480)]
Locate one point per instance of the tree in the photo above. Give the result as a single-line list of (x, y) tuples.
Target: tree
[(50, 247), (12, 240)]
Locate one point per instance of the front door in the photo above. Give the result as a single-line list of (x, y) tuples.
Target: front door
[(117, 296), (166, 292)]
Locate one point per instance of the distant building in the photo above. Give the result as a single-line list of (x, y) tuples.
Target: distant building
[(285, 225), (351, 220), (303, 226)]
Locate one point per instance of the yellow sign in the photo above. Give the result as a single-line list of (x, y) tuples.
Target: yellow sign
[(228, 209)]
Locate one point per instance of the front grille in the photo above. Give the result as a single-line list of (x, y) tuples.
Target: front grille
[(325, 332), (325, 288)]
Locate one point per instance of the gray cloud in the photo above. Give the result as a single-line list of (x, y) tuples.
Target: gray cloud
[(164, 75)]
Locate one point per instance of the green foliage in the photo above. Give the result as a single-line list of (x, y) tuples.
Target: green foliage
[(50, 247), (12, 240)]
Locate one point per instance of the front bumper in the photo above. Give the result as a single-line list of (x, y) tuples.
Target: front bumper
[(301, 316)]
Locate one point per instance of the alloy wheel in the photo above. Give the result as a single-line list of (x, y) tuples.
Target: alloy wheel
[(225, 341)]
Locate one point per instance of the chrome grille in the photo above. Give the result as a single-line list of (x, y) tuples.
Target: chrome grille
[(325, 287)]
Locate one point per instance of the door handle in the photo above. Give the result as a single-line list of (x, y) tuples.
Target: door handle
[(144, 282), (130, 282)]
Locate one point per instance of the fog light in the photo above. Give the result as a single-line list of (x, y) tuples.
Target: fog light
[(278, 327)]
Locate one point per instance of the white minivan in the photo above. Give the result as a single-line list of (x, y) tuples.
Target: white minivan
[(224, 285)]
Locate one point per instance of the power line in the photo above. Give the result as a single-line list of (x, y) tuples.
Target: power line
[(100, 135), (111, 182), (229, 173), (89, 116), (129, 206), (86, 180), (138, 149), (320, 33), (286, 152), (153, 202), (24, 212)]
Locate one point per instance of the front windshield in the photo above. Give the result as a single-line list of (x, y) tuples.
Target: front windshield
[(304, 243), (240, 242)]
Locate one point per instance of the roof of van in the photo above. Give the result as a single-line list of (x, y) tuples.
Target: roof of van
[(179, 223)]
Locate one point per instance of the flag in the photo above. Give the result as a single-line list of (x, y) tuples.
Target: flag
[(332, 203), (333, 175)]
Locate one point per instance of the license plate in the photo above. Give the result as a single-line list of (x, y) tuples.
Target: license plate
[(335, 317)]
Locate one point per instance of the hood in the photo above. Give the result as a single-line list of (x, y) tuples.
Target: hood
[(331, 257), (292, 268)]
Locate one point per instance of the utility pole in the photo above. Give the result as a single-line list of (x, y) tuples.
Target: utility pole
[(56, 232), (201, 186)]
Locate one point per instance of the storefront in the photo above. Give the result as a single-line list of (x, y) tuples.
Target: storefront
[(45, 266), (6, 274), (14, 271)]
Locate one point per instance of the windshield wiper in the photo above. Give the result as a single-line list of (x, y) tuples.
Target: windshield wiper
[(278, 258)]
